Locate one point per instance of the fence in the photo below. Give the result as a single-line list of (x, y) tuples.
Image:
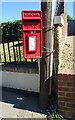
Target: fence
[(11, 47)]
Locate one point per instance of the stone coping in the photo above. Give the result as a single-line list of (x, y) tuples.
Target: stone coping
[(66, 71), (22, 67)]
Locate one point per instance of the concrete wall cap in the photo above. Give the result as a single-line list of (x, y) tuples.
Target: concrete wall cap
[(58, 20)]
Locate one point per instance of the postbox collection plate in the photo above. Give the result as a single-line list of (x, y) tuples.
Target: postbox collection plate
[(32, 43)]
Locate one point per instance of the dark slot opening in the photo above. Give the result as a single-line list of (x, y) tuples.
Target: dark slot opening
[(32, 20)]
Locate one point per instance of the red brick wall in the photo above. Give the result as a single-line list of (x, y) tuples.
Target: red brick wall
[(66, 92)]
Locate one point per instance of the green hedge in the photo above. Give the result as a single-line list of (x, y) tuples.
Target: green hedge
[(11, 31)]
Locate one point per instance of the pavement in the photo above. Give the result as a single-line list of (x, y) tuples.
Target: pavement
[(20, 104)]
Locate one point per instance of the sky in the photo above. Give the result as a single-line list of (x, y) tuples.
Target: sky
[(70, 8), (11, 11)]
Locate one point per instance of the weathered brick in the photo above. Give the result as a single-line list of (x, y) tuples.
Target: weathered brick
[(67, 108), (65, 99), (70, 83), (73, 84), (64, 83), (61, 94), (74, 95), (63, 108), (59, 77), (74, 76), (62, 112), (69, 95), (65, 77), (60, 83), (71, 77), (61, 103), (70, 105), (72, 114), (65, 89)]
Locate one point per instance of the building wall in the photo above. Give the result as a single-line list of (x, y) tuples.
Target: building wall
[(71, 28), (68, 53)]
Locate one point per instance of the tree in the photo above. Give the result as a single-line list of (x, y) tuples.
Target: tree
[(69, 18), (11, 31)]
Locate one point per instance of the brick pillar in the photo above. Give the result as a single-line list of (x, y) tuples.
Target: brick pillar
[(61, 11), (65, 77), (66, 92), (58, 45)]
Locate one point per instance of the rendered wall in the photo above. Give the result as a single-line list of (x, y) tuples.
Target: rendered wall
[(24, 76), (23, 81)]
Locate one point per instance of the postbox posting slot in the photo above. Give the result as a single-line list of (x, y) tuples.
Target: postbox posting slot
[(31, 24), (31, 20)]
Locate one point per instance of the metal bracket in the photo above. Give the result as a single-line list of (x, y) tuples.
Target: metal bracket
[(48, 27), (49, 51)]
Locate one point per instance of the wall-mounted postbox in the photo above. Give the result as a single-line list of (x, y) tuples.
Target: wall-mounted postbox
[(32, 33)]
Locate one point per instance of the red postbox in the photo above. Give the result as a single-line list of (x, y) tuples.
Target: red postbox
[(32, 33)]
